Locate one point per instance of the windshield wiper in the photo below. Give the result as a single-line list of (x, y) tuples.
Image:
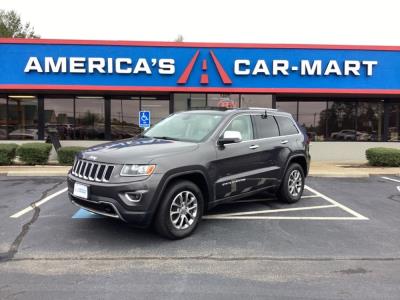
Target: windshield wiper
[(164, 138)]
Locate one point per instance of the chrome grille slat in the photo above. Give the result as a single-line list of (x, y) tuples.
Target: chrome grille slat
[(84, 169)]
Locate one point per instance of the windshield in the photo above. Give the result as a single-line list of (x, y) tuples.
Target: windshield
[(188, 127)]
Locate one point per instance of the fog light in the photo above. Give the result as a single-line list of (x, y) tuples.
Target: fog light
[(133, 196)]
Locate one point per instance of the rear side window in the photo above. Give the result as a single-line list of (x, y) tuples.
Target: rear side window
[(266, 127), (286, 126)]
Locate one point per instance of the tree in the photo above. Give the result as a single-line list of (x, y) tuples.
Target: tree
[(179, 38), (11, 26)]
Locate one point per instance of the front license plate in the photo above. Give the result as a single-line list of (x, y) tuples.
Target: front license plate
[(80, 190)]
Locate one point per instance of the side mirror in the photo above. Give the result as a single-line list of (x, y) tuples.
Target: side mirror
[(230, 137)]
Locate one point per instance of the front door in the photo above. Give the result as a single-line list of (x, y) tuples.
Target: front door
[(236, 164)]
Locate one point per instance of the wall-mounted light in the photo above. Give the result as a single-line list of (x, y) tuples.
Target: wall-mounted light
[(89, 97), (21, 97)]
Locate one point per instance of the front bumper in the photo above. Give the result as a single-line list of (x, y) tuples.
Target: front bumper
[(106, 199)]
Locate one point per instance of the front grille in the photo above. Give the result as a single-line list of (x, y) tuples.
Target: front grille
[(93, 171)]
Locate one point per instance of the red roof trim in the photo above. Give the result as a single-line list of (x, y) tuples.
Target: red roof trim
[(95, 88), (194, 44)]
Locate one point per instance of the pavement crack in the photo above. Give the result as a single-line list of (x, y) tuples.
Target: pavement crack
[(18, 240), (9, 255)]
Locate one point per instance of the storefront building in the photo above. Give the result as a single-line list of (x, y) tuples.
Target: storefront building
[(94, 90)]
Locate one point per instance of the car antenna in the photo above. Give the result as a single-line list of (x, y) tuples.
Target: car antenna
[(264, 116)]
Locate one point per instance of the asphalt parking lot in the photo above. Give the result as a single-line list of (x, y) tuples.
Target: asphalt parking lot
[(340, 241)]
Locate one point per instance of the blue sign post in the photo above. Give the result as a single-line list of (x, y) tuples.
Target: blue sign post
[(144, 119)]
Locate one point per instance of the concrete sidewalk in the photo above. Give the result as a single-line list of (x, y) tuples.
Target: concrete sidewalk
[(318, 169), (348, 169)]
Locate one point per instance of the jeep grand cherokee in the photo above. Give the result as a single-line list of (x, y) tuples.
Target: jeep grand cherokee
[(190, 162)]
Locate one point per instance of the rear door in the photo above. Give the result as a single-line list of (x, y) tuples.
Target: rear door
[(270, 149)]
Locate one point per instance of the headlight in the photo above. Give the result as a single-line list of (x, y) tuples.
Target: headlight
[(137, 170)]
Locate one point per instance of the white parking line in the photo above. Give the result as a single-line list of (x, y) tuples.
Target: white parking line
[(250, 215), (391, 179), (40, 202), (282, 218), (270, 211), (345, 208)]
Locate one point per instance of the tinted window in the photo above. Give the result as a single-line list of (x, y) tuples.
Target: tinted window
[(266, 127), (286, 126), (243, 125)]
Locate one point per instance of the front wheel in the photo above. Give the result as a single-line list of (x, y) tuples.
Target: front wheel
[(180, 211), (292, 185)]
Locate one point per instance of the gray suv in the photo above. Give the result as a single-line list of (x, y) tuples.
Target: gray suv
[(190, 162)]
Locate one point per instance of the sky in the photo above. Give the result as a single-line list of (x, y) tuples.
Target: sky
[(350, 22)]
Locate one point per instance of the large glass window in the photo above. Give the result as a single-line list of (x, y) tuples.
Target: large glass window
[(312, 118), (256, 100), (59, 117), (341, 121), (181, 102), (22, 118), (394, 122), (223, 100), (124, 118), (369, 121), (198, 100), (288, 106), (89, 118), (3, 118), (159, 109)]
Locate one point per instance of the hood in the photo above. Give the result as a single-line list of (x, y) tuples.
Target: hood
[(136, 150)]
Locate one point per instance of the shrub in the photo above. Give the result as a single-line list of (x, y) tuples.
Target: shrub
[(34, 153), (66, 155), (385, 157), (7, 153)]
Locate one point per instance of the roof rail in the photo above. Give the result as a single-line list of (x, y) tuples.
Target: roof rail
[(264, 108), (210, 108)]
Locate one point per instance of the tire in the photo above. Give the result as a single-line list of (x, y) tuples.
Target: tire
[(172, 208), (287, 192)]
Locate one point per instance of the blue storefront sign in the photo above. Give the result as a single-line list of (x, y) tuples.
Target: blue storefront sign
[(144, 119), (195, 67)]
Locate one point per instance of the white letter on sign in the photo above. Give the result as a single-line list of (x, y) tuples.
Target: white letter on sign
[(77, 65), (55, 67), (261, 67), (280, 66), (166, 66), (308, 69), (118, 65), (332, 68), (33, 64), (142, 66), (352, 66), (96, 63), (369, 64), (237, 70)]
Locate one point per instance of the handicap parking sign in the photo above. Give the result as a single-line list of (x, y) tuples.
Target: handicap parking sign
[(144, 119)]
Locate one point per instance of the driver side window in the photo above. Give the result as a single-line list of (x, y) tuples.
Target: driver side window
[(243, 125)]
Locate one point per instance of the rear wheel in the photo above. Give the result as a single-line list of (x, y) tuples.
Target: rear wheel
[(292, 185), (180, 211)]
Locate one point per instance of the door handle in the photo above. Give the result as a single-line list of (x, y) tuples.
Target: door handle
[(284, 142), (252, 147)]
